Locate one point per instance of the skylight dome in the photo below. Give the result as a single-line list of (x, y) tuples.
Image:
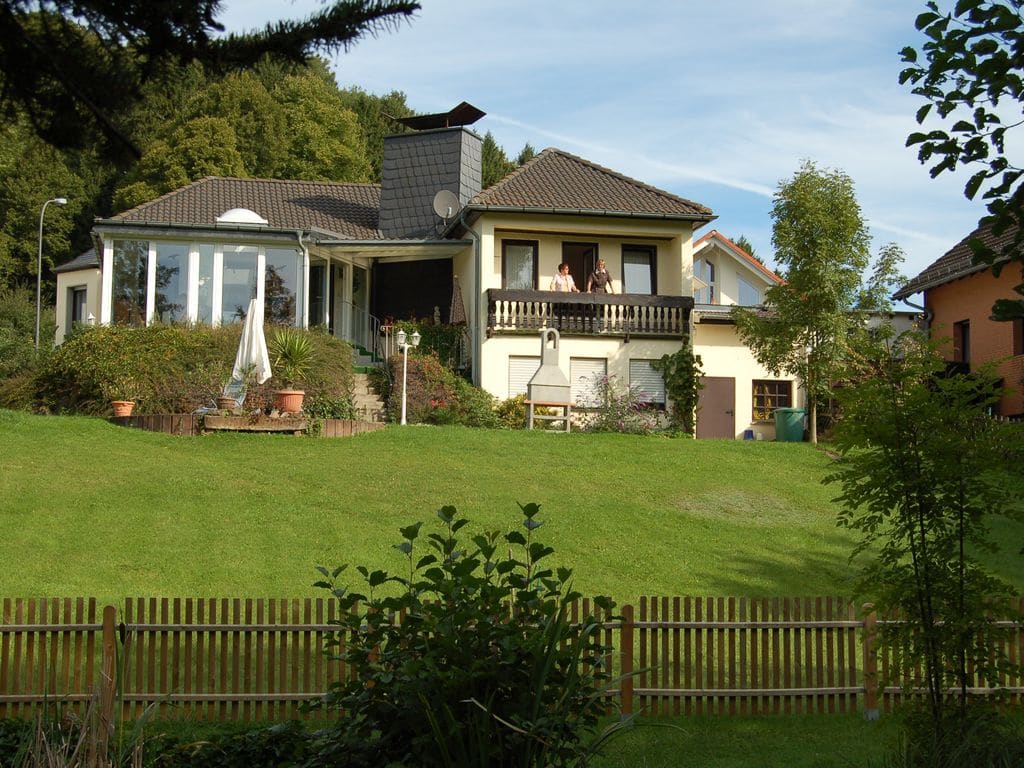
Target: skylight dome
[(242, 217)]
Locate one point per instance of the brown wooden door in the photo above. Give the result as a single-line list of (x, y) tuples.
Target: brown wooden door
[(716, 416)]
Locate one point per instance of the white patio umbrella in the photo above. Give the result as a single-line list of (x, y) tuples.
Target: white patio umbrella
[(252, 348)]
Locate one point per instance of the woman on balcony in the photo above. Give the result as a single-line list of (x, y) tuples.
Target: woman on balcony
[(563, 281)]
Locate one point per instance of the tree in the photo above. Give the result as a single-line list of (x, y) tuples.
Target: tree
[(971, 77), (744, 244), (923, 472), (495, 162), (526, 154), (821, 245), (75, 66)]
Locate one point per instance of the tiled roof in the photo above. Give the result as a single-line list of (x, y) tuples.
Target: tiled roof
[(730, 246), (557, 181), (340, 209), (957, 262)]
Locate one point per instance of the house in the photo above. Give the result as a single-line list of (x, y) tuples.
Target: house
[(738, 394), (427, 243), (958, 299)]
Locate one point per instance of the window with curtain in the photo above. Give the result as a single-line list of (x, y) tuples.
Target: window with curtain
[(519, 264)]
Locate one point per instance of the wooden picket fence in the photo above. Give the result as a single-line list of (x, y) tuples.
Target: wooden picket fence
[(259, 659)]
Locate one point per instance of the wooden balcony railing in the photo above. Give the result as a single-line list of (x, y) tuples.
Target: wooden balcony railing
[(584, 314)]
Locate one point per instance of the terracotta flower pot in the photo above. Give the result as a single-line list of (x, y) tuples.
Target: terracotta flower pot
[(123, 408), (289, 400), (226, 403)]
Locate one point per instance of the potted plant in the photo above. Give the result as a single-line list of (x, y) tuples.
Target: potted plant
[(121, 389), (291, 356)]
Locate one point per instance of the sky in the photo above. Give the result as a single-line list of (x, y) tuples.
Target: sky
[(717, 102)]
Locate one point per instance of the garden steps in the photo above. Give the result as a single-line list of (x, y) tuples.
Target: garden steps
[(367, 403)]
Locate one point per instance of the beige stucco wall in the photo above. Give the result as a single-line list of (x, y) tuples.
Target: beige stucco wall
[(83, 278), (498, 350), (723, 354)]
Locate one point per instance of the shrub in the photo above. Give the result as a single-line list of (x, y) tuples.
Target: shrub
[(983, 739), (511, 413), (168, 369), (472, 659), (619, 409), (17, 330), (437, 395)]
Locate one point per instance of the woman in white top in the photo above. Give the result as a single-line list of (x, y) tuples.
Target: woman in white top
[(563, 280)]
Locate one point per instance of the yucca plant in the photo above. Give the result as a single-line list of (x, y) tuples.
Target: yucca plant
[(292, 355)]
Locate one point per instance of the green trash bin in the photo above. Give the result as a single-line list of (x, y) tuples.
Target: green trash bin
[(789, 425)]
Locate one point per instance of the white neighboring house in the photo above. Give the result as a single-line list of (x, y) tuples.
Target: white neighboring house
[(739, 394), (347, 256)]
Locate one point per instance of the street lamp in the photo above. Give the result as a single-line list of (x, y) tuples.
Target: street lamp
[(39, 263), (400, 338)]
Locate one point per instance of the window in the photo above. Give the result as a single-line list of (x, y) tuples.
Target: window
[(519, 265), (769, 395), (239, 286), (962, 341), (647, 382), (282, 287), (170, 299), (1018, 336), (585, 374), (205, 312), (749, 296), (77, 298), (520, 371), (638, 269), (130, 280), (705, 272)]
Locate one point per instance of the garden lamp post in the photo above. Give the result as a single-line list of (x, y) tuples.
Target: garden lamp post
[(415, 342), (39, 263)]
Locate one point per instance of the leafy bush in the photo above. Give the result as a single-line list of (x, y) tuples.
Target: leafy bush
[(283, 744), (982, 739), (168, 369), (18, 328), (472, 660), (619, 409), (437, 395), (511, 413)]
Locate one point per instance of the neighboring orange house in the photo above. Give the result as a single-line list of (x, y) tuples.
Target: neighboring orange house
[(958, 297)]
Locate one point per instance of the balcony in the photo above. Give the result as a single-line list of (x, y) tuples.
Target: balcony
[(586, 314)]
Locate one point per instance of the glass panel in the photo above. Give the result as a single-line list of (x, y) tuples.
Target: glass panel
[(705, 272), (282, 287), (636, 272), (518, 267), (317, 300), (130, 278), (78, 299), (205, 285), (170, 302), (749, 295), (239, 283)]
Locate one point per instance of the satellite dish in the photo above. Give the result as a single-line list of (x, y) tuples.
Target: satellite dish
[(446, 204)]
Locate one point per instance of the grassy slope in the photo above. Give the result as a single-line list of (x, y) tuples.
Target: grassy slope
[(92, 509)]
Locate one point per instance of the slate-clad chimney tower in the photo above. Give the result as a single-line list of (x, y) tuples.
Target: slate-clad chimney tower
[(440, 154)]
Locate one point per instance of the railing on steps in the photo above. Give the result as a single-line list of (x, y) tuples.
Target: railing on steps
[(586, 314), (362, 330)]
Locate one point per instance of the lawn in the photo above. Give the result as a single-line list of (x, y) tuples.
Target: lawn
[(89, 508)]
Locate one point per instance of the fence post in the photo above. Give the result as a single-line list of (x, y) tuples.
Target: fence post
[(626, 663), (870, 663), (108, 682)]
